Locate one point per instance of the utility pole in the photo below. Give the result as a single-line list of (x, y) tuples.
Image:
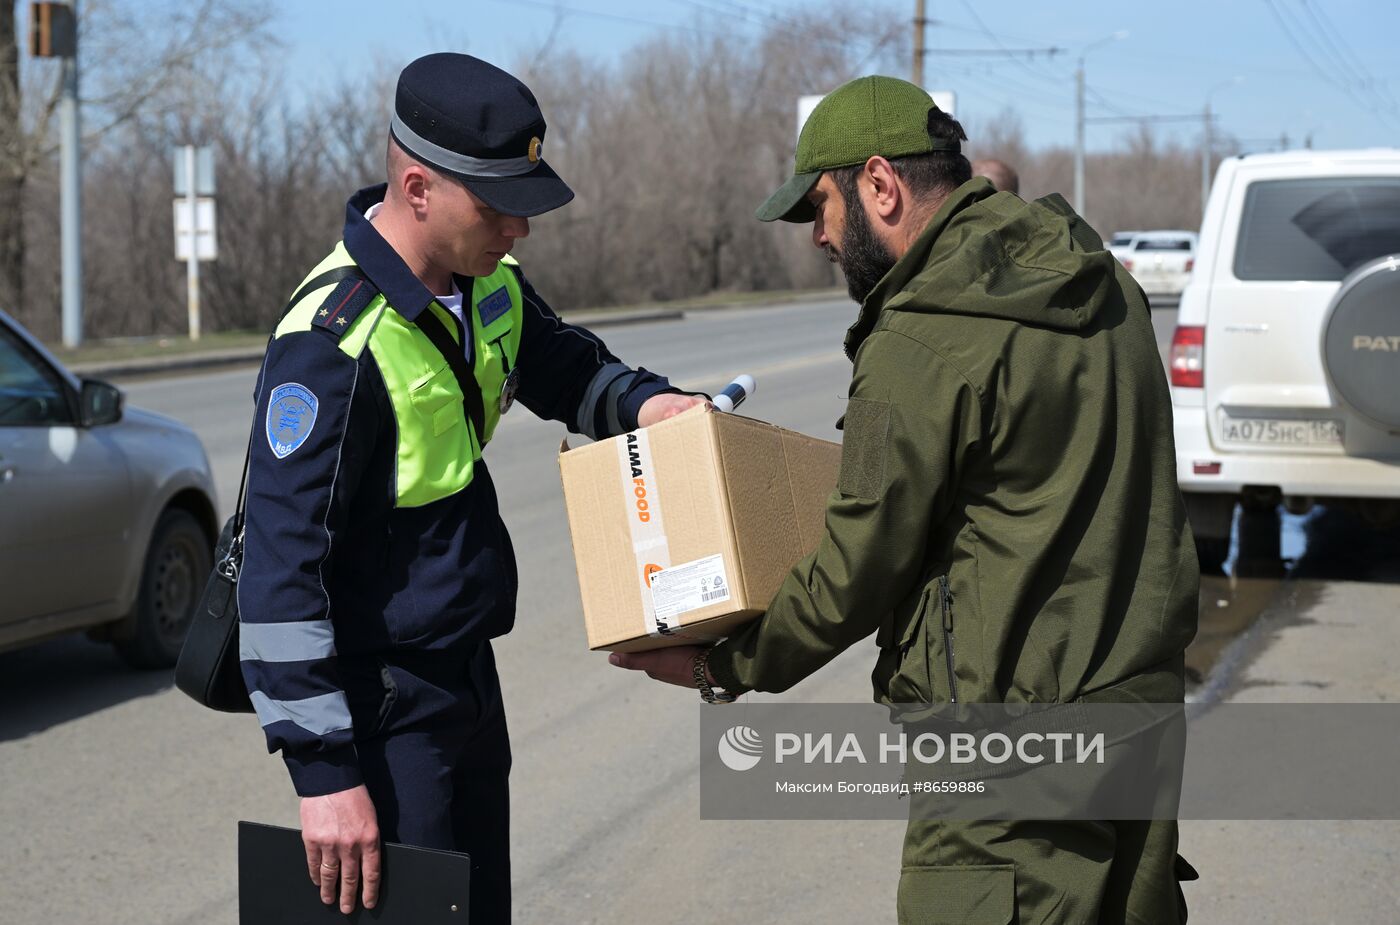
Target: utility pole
[(1079, 119), (54, 34), (1207, 149), (1208, 139), (919, 22), (71, 205)]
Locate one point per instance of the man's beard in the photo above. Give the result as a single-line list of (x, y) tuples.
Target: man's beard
[(864, 258)]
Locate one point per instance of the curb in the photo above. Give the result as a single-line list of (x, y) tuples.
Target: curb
[(252, 355)]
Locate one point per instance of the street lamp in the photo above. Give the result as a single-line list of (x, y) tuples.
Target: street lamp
[(1208, 139), (1079, 117)]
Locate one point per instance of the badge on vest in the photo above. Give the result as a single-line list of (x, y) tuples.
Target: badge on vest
[(508, 390), (493, 306), (291, 413)]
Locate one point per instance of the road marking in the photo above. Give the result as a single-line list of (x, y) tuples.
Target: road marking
[(773, 369)]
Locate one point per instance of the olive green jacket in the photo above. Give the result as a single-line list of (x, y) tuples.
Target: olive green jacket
[(1007, 519)]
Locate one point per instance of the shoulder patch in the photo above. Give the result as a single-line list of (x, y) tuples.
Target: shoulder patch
[(493, 306), (350, 297), (291, 413)]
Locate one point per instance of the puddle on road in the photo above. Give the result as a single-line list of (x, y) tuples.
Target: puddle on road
[(1274, 553), (1229, 606)]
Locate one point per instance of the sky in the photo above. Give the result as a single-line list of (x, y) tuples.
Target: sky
[(1320, 68)]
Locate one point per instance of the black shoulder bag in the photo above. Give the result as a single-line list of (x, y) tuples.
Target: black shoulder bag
[(208, 668)]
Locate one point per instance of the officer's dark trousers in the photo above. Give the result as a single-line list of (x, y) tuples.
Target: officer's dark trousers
[(437, 762)]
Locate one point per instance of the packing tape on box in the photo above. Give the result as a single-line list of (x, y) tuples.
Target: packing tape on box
[(649, 544)]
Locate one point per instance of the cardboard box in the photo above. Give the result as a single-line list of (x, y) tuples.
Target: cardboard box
[(684, 531)]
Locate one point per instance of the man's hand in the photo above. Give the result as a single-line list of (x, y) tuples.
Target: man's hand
[(666, 405), (341, 835), (674, 665)]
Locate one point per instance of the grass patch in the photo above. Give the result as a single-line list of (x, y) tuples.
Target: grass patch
[(143, 348), (147, 348)]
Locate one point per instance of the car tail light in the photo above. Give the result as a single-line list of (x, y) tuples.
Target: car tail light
[(1205, 467), (1188, 356), (1190, 264), (1128, 265)]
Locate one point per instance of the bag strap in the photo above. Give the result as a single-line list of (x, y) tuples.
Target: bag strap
[(328, 278), (240, 510), (454, 353)]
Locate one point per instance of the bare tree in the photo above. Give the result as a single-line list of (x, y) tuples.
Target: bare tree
[(669, 150), (11, 174), (138, 66)]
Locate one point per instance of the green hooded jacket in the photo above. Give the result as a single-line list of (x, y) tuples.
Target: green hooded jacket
[(1007, 519)]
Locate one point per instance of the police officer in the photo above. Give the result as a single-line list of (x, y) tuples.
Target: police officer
[(1007, 521), (377, 568)]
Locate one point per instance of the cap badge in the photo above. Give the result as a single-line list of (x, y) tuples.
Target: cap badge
[(536, 148)]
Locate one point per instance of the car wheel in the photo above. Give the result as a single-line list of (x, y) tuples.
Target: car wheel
[(172, 580), (1212, 551)]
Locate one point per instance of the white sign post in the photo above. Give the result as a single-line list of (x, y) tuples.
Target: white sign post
[(195, 239), (805, 105)]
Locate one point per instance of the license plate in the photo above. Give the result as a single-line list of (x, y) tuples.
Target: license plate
[(1280, 431)]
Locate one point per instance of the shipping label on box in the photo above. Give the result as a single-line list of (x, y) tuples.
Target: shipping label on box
[(683, 531)]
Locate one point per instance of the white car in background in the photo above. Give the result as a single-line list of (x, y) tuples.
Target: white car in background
[(1160, 261), (1121, 243), (1285, 363)]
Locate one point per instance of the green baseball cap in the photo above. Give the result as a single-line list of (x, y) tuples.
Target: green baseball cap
[(869, 116)]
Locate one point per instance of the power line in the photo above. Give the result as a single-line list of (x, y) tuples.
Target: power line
[(1348, 70), (1145, 119), (971, 11), (559, 8), (1276, 9), (995, 52), (1345, 52), (731, 10)]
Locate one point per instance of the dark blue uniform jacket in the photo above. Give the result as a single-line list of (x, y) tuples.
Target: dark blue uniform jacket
[(333, 568)]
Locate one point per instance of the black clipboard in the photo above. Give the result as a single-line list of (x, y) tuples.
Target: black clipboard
[(420, 885)]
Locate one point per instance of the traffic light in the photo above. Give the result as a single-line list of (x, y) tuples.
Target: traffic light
[(53, 30)]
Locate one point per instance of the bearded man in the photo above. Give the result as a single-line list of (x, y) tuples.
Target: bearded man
[(1007, 520)]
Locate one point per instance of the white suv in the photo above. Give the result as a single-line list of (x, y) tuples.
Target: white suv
[(1285, 364)]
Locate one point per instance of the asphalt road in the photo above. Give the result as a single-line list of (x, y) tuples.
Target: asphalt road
[(119, 795)]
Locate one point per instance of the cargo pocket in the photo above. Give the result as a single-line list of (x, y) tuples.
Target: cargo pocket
[(957, 895), (437, 401), (904, 655)]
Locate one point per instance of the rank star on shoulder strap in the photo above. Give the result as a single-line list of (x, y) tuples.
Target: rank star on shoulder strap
[(351, 296)]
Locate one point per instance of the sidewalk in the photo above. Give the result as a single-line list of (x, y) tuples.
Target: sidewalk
[(1318, 641)]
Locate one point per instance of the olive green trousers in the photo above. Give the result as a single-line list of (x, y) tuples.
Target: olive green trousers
[(1042, 873)]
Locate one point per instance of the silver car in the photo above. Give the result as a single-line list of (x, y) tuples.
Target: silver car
[(107, 517)]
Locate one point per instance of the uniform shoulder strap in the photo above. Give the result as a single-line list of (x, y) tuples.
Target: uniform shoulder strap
[(351, 296), (333, 275)]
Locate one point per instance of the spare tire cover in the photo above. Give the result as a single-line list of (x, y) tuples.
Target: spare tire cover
[(1361, 341)]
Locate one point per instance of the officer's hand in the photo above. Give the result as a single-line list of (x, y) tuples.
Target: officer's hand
[(666, 405), (341, 835), (674, 664)]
